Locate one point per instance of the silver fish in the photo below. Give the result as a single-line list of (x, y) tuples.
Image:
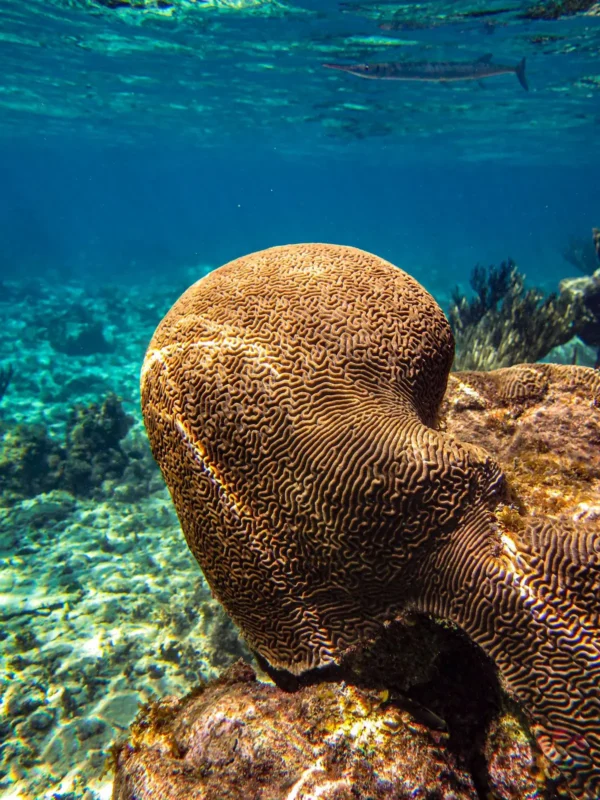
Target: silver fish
[(434, 70)]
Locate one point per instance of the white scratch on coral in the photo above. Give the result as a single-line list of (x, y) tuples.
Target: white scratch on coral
[(231, 343), (210, 470), (509, 545), (520, 579), (585, 512), (315, 768), (469, 390), (324, 788), (535, 602), (151, 358)]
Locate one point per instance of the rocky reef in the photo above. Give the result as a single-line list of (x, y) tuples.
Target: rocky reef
[(580, 252), (240, 738), (32, 461), (332, 490), (585, 293)]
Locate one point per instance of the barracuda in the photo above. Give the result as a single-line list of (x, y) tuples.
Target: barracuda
[(439, 71)]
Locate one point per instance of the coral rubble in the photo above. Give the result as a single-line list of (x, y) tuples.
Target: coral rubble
[(89, 632), (292, 399)]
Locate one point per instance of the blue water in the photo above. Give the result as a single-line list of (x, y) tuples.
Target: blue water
[(136, 140), (124, 213)]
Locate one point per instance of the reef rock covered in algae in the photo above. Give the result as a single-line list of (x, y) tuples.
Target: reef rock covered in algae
[(239, 738), (292, 400)]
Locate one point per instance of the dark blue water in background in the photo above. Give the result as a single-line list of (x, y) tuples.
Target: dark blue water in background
[(139, 138), (125, 214)]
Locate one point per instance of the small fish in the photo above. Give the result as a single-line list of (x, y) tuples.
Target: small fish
[(434, 70)]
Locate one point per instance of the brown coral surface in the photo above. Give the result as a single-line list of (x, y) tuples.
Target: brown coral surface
[(291, 399)]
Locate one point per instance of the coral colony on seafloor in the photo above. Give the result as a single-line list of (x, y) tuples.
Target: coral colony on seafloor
[(32, 462), (342, 491), (505, 324)]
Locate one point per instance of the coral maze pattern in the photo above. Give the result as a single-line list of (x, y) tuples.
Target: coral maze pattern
[(291, 399), (537, 608)]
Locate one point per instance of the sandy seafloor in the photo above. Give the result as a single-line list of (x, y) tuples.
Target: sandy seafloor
[(103, 607), (102, 604)]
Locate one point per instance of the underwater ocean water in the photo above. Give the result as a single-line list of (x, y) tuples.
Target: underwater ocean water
[(144, 143)]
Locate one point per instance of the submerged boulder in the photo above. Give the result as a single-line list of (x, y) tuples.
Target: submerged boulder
[(241, 739)]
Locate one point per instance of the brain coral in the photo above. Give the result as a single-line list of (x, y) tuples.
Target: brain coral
[(291, 400)]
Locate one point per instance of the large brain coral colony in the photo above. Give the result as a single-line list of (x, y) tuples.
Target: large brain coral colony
[(291, 398)]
